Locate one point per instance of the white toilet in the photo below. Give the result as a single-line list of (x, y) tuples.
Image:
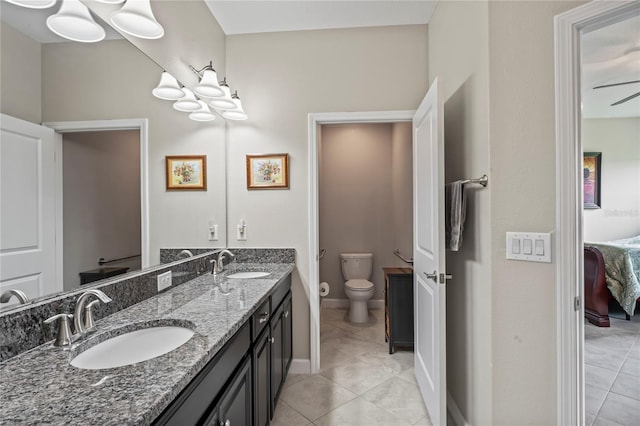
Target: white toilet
[(356, 269)]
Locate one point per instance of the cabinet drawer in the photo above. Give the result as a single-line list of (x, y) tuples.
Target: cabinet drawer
[(260, 319)]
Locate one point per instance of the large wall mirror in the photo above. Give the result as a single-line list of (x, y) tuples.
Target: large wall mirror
[(102, 188)]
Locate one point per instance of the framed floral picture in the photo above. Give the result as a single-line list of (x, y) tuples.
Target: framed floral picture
[(268, 171), (592, 162), (186, 172)]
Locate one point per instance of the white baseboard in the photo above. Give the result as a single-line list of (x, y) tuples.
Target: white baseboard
[(300, 366), (344, 303), (454, 412)]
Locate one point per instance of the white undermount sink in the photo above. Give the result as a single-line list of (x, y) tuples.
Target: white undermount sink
[(249, 274), (132, 347)]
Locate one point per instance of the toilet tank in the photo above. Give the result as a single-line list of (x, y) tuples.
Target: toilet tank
[(356, 265)]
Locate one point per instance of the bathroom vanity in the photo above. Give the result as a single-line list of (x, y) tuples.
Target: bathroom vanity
[(230, 372)]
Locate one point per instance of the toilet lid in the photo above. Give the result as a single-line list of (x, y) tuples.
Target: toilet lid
[(359, 284)]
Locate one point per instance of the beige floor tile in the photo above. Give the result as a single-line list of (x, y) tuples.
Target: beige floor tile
[(620, 409), (631, 366), (395, 363), (599, 377), (315, 396), (287, 416), (599, 421), (400, 398), (594, 397), (331, 356), (409, 375), (425, 421), (627, 385), (357, 376), (359, 412)]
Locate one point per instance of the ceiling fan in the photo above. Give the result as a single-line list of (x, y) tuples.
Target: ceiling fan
[(628, 98)]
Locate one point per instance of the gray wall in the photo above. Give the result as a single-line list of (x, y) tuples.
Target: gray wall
[(101, 200), (363, 167), (619, 141)]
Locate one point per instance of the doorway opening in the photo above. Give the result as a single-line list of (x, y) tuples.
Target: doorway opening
[(92, 145)]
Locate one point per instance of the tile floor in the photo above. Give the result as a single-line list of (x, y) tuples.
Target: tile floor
[(359, 382), (612, 373)]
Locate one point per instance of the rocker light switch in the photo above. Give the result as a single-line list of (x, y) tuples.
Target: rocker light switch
[(529, 246)]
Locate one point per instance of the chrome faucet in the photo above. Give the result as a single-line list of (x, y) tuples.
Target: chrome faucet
[(6, 296), (82, 317), (218, 263)]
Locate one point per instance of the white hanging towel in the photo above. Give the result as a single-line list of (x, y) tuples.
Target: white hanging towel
[(455, 208)]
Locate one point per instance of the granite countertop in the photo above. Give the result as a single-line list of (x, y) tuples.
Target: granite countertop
[(40, 386)]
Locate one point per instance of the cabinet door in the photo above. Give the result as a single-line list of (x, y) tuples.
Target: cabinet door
[(288, 335), (261, 385), (235, 407), (277, 370)]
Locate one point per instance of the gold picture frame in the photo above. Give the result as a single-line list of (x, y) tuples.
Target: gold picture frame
[(268, 171), (186, 172)]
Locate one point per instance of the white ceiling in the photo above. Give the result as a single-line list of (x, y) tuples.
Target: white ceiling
[(611, 55), (244, 17)]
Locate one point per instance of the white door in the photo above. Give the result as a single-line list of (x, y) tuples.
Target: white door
[(27, 208), (429, 255)]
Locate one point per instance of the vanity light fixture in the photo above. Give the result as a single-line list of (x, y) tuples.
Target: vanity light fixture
[(111, 1), (168, 88), (225, 102), (188, 103), (74, 22), (203, 114), (136, 18), (33, 4), (208, 86), (237, 113)]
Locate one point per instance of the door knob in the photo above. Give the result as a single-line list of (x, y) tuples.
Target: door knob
[(433, 276)]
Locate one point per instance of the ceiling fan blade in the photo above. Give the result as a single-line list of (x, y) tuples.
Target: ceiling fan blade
[(628, 98), (617, 84)]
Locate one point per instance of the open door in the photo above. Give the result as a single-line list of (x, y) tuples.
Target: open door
[(429, 255), (27, 245)]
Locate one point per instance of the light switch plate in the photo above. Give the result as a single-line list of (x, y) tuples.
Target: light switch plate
[(529, 242), (242, 233), (164, 280), (213, 233)]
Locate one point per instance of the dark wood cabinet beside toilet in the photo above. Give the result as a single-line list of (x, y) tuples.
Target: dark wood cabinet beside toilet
[(398, 307)]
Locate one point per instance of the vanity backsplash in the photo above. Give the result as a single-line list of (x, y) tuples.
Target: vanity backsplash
[(22, 329)]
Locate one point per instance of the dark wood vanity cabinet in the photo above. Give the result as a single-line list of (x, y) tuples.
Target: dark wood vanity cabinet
[(241, 384), (398, 307)]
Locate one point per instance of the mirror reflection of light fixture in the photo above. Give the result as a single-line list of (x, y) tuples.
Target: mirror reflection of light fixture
[(237, 113), (74, 22), (33, 4), (224, 102), (208, 86), (188, 103), (168, 88), (203, 114), (136, 18)]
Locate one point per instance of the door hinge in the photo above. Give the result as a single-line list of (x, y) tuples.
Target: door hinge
[(576, 304)]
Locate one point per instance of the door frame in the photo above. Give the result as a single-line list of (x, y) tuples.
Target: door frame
[(141, 124), (569, 215), (315, 121)]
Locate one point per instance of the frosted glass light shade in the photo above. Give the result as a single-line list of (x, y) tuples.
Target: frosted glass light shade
[(237, 113), (208, 86), (111, 1), (74, 22), (168, 88), (188, 103), (136, 18), (224, 102), (33, 4), (203, 114)]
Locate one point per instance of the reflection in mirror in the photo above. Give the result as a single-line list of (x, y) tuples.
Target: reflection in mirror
[(101, 176)]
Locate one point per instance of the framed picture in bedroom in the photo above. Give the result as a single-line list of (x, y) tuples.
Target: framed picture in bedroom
[(592, 162)]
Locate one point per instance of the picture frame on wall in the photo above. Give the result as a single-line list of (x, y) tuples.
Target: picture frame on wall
[(186, 172), (592, 163), (268, 171)]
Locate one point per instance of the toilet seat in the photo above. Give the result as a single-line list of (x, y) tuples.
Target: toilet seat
[(359, 285)]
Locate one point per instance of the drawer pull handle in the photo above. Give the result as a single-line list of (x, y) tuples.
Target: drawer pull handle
[(263, 317), (227, 423), (272, 340), (286, 314)]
